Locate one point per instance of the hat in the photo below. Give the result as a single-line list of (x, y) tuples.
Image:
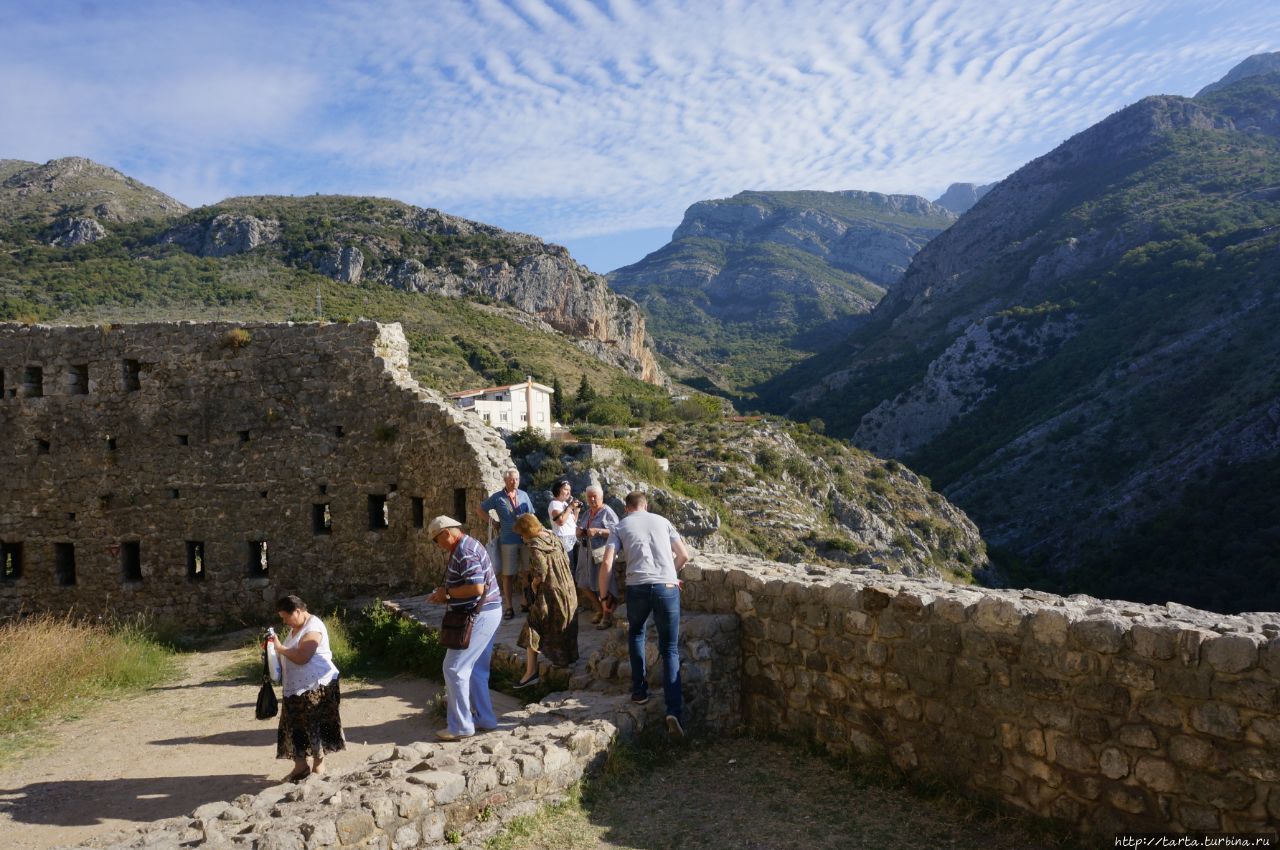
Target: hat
[(439, 524)]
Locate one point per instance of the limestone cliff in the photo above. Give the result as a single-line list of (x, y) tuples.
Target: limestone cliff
[(377, 241), (749, 284)]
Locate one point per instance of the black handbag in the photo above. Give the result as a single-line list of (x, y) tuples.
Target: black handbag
[(455, 628), (267, 706)]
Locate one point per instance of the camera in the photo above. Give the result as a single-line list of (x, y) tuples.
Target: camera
[(576, 504)]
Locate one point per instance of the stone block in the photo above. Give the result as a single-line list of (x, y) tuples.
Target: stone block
[(1153, 641), (858, 623), (1156, 774), (1049, 627), (1160, 710), (1114, 763), (1248, 693), (406, 838), (873, 600), (1128, 800), (1132, 674), (1263, 765), (354, 827), (1199, 818), (949, 610), (1098, 634), (1136, 735), (998, 616), (1231, 653), (1218, 719), (1071, 753)]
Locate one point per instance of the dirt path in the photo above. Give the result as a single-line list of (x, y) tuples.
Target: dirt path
[(180, 745)]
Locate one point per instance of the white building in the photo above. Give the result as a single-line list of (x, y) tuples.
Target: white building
[(510, 408)]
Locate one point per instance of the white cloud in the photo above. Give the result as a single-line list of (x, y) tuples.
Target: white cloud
[(573, 117)]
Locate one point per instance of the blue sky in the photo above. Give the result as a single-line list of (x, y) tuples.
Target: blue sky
[(592, 123)]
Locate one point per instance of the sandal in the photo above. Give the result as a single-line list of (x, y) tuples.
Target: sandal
[(508, 614), (298, 774)]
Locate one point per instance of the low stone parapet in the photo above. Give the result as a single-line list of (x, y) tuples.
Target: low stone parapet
[(1107, 715)]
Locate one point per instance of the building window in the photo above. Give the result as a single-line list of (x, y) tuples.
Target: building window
[(64, 563), (379, 512), (42, 446), (33, 382), (321, 519), (10, 561), (195, 560), (244, 436), (78, 379), (419, 512), (131, 561), (257, 558), (460, 504), (131, 371)]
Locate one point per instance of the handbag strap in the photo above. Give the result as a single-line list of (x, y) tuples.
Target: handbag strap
[(266, 671)]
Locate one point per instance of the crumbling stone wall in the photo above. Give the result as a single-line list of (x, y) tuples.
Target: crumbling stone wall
[(144, 466), (1107, 715)]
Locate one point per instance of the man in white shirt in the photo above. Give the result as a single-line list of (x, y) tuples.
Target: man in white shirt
[(655, 554)]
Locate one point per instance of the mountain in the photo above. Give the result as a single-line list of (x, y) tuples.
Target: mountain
[(1255, 66), (89, 243), (72, 201), (959, 197), (1086, 361), (749, 285)]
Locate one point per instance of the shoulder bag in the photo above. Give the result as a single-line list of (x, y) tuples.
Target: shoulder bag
[(267, 705), (455, 628)]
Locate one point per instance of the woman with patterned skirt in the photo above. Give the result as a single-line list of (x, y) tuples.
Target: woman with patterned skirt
[(309, 720)]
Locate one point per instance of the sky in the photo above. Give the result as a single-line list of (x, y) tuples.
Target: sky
[(589, 123)]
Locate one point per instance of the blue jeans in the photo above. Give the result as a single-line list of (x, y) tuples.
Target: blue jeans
[(663, 602), (466, 676)]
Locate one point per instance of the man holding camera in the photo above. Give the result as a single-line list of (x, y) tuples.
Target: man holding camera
[(655, 553)]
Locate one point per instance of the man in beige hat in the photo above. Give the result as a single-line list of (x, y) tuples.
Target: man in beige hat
[(469, 582)]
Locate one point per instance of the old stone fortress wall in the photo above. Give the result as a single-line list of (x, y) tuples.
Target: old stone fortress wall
[(194, 471), (1105, 715)]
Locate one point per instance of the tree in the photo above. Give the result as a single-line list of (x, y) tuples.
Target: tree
[(557, 400), (586, 395)]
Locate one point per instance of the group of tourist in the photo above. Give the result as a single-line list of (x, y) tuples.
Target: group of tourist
[(588, 555)]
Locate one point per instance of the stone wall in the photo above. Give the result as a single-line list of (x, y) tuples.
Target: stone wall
[(1106, 715), (145, 465)]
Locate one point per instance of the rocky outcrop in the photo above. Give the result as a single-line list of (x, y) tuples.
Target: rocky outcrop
[(774, 274), (342, 264), (1255, 66), (959, 197), (70, 232), (224, 235), (76, 188)]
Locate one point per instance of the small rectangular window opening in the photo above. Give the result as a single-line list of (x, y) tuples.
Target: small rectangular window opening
[(174, 494), (379, 516), (257, 557), (460, 504), (131, 375), (131, 561), (183, 440), (337, 432), (10, 560), (78, 379), (111, 444), (195, 560), (244, 436), (42, 446), (33, 382), (321, 519), (1, 382), (64, 563), (419, 512), (324, 488)]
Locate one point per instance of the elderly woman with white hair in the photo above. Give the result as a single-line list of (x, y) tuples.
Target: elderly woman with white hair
[(594, 526), (509, 503)]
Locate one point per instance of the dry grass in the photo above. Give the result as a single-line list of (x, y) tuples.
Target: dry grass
[(50, 666)]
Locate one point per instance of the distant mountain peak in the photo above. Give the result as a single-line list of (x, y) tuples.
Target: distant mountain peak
[(1255, 66), (959, 197)]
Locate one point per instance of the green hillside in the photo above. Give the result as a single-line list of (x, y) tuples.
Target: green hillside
[(752, 284), (1085, 357)]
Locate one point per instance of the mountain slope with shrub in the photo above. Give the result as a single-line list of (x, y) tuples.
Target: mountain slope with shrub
[(748, 285), (1089, 352), (480, 305)]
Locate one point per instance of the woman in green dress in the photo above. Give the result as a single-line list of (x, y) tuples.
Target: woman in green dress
[(552, 625)]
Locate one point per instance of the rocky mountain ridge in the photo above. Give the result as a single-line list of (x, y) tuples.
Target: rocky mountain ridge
[(1086, 346), (959, 197), (75, 202), (750, 283)]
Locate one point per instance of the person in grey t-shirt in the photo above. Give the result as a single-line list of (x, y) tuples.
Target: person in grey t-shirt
[(655, 553)]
